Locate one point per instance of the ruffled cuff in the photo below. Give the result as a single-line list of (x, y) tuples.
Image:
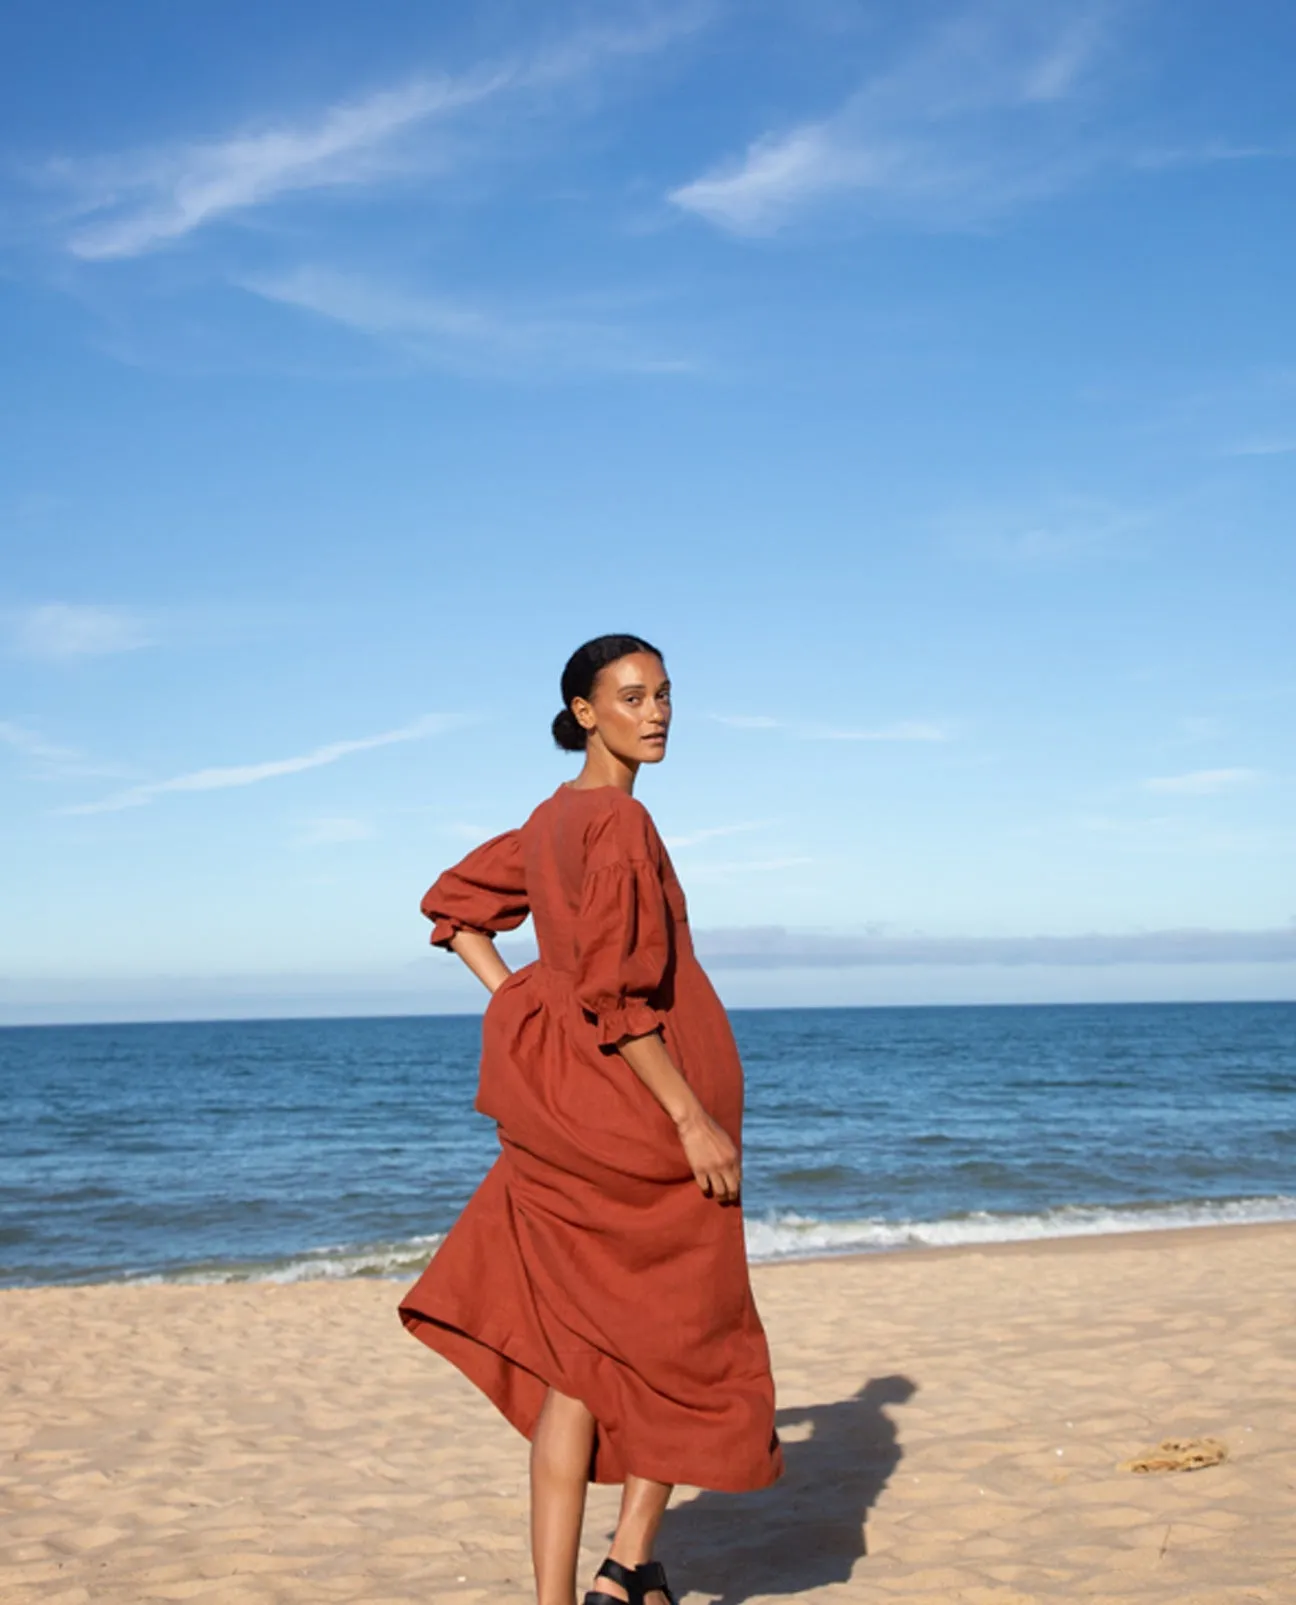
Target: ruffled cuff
[(445, 929), (633, 1019)]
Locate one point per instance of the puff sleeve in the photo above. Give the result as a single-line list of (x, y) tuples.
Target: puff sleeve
[(484, 892), (624, 942)]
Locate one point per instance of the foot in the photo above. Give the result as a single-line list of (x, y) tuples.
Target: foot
[(633, 1585), (653, 1587), (615, 1584)]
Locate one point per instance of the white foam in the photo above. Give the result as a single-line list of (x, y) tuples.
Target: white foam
[(792, 1236), (335, 1263), (787, 1236)]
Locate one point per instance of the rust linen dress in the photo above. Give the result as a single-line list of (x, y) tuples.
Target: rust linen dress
[(588, 1259)]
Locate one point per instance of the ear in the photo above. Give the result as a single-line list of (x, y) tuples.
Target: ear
[(584, 713)]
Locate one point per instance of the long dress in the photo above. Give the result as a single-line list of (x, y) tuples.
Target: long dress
[(589, 1260)]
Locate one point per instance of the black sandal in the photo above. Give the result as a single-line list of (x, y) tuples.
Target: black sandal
[(626, 1576), (651, 1578)]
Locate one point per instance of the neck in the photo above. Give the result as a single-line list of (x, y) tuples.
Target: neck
[(604, 768)]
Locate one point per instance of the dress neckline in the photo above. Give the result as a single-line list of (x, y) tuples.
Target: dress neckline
[(567, 785)]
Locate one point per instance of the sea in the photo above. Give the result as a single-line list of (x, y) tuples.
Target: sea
[(287, 1150)]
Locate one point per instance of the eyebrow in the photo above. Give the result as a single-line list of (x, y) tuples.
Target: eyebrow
[(638, 685)]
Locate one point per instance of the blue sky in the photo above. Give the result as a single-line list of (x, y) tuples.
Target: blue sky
[(921, 376)]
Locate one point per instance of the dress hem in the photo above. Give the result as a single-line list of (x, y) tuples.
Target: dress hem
[(457, 1345)]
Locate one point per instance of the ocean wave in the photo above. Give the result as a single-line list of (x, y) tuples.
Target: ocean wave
[(793, 1236), (339, 1262), (782, 1237)]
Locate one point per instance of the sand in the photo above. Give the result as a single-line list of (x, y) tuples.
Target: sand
[(954, 1423)]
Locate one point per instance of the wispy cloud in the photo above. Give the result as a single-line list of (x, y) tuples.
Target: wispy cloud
[(1263, 446), (695, 838), (1203, 782), (334, 831), (140, 201), (48, 761), (1059, 530), (906, 730), (1250, 413), (462, 831), (221, 779), (32, 745), (148, 200), (774, 948), (1193, 728), (58, 631), (442, 332), (723, 869), (1179, 836), (901, 730), (969, 125), (1206, 154)]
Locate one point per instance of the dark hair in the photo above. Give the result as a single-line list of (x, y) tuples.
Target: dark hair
[(579, 676)]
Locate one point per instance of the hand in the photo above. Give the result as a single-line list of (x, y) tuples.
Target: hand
[(712, 1156)]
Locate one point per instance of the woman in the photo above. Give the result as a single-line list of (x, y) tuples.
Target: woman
[(596, 1286)]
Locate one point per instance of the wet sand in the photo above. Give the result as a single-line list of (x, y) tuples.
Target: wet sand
[(954, 1423)]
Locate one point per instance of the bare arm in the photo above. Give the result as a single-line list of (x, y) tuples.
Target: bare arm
[(708, 1148), (479, 954)]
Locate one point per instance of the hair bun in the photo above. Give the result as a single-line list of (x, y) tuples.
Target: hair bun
[(567, 732)]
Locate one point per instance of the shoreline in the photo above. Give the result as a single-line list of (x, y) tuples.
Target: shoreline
[(1073, 1242)]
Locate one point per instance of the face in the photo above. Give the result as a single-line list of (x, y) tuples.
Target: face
[(630, 708)]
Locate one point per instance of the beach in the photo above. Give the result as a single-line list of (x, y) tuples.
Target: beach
[(954, 1423)]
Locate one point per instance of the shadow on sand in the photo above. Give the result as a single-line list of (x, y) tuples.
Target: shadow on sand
[(808, 1529)]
